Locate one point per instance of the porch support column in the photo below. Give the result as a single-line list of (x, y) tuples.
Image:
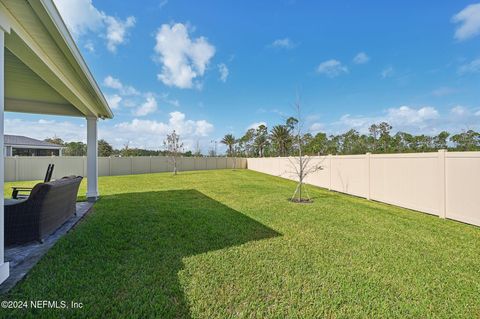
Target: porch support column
[(4, 267), (92, 159)]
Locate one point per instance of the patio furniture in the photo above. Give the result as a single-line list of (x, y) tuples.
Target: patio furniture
[(48, 207), (17, 190)]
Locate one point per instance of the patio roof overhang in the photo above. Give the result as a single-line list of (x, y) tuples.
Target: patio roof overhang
[(43, 72)]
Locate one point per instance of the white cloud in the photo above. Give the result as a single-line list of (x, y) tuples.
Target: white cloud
[(116, 84), (183, 59), (162, 3), (284, 43), (361, 58), (137, 132), (114, 100), (45, 128), (223, 69), (443, 91), (117, 31), (316, 127), (459, 111), (332, 68), (255, 125), (468, 21), (399, 117), (416, 120), (405, 115), (112, 83), (387, 72), (348, 121), (203, 128), (165, 98), (471, 67), (148, 107), (144, 103), (177, 122), (150, 133), (82, 17), (89, 46)]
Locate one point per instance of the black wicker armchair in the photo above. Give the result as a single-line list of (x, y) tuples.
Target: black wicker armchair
[(48, 207)]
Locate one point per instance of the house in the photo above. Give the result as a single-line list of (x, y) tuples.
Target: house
[(43, 72), (16, 145)]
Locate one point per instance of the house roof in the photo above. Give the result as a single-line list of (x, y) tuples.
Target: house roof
[(18, 140)]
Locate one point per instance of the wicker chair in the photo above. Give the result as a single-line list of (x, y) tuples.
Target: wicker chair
[(48, 207), (17, 190)]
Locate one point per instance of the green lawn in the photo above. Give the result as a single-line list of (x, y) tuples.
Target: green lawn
[(224, 244)]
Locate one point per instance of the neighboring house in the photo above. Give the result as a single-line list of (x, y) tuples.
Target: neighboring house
[(16, 145)]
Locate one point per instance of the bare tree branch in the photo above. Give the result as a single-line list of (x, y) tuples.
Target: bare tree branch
[(173, 146)]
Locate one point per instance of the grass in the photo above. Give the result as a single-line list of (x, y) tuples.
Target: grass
[(224, 244)]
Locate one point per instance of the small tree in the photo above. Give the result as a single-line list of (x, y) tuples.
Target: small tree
[(261, 139), (198, 151), (173, 147), (104, 148), (301, 164), (55, 140), (75, 149)]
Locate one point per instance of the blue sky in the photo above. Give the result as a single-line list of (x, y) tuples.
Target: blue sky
[(222, 66)]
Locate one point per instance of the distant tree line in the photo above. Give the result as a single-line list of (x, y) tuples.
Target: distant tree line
[(106, 150), (278, 141)]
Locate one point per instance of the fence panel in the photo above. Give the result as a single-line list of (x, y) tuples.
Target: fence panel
[(33, 168), (140, 165), (104, 166), (349, 175), (462, 186), (159, 164), (320, 177), (70, 165), (200, 163), (121, 166), (407, 180), (187, 164), (440, 183), (211, 162), (10, 169)]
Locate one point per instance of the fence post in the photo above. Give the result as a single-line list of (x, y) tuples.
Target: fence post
[(110, 165), (16, 168), (330, 172), (368, 175), (84, 164), (442, 186)]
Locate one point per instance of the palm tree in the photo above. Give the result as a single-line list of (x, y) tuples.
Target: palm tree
[(261, 139), (281, 137), (230, 141)]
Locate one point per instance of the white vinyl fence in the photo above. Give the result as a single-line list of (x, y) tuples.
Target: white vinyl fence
[(441, 183), (33, 168)]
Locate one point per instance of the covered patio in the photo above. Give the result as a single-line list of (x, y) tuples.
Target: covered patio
[(43, 72)]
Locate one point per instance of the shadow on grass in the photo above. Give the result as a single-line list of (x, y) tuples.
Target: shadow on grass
[(124, 259)]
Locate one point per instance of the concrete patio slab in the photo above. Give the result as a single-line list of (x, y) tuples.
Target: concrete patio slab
[(22, 258)]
